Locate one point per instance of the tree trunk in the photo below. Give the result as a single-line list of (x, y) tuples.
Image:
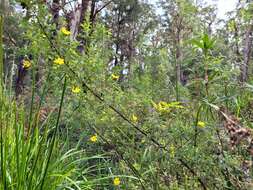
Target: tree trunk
[(179, 74), (1, 49), (76, 18), (55, 12), (85, 6), (246, 54), (92, 12), (4, 5), (237, 51)]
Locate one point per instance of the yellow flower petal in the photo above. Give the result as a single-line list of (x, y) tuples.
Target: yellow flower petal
[(94, 138), (26, 64), (201, 124), (115, 77), (175, 105), (76, 89), (134, 118), (163, 104), (65, 31), (167, 107), (116, 181), (59, 61)]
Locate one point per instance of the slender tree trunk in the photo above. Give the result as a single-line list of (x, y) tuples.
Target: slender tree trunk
[(4, 4), (55, 12), (179, 73), (85, 6), (177, 61), (178, 57), (246, 54), (1, 49), (76, 18), (237, 51), (93, 12)]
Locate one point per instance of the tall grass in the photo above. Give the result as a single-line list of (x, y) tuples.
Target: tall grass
[(31, 153), (31, 160)]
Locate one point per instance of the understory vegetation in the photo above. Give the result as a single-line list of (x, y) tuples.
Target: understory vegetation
[(125, 94)]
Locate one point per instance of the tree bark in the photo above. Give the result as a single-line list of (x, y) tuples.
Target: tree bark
[(4, 5), (246, 54), (179, 73), (236, 36), (76, 18), (85, 6), (55, 12), (1, 49)]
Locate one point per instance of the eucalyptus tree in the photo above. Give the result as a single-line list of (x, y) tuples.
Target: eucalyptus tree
[(129, 22), (237, 34), (247, 15), (178, 24)]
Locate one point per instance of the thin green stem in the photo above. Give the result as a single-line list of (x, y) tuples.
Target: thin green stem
[(17, 147), (196, 128)]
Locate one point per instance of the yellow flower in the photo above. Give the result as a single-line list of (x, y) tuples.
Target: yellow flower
[(59, 61), (201, 124), (76, 89), (65, 31), (115, 77), (167, 107), (116, 181), (134, 118), (175, 105), (161, 106), (26, 64), (94, 138)]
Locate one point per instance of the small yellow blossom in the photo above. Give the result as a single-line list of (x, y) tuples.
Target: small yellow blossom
[(26, 64), (161, 106), (116, 181), (65, 31), (59, 61), (201, 124), (175, 105), (167, 107), (134, 118), (76, 89), (94, 138), (115, 77)]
